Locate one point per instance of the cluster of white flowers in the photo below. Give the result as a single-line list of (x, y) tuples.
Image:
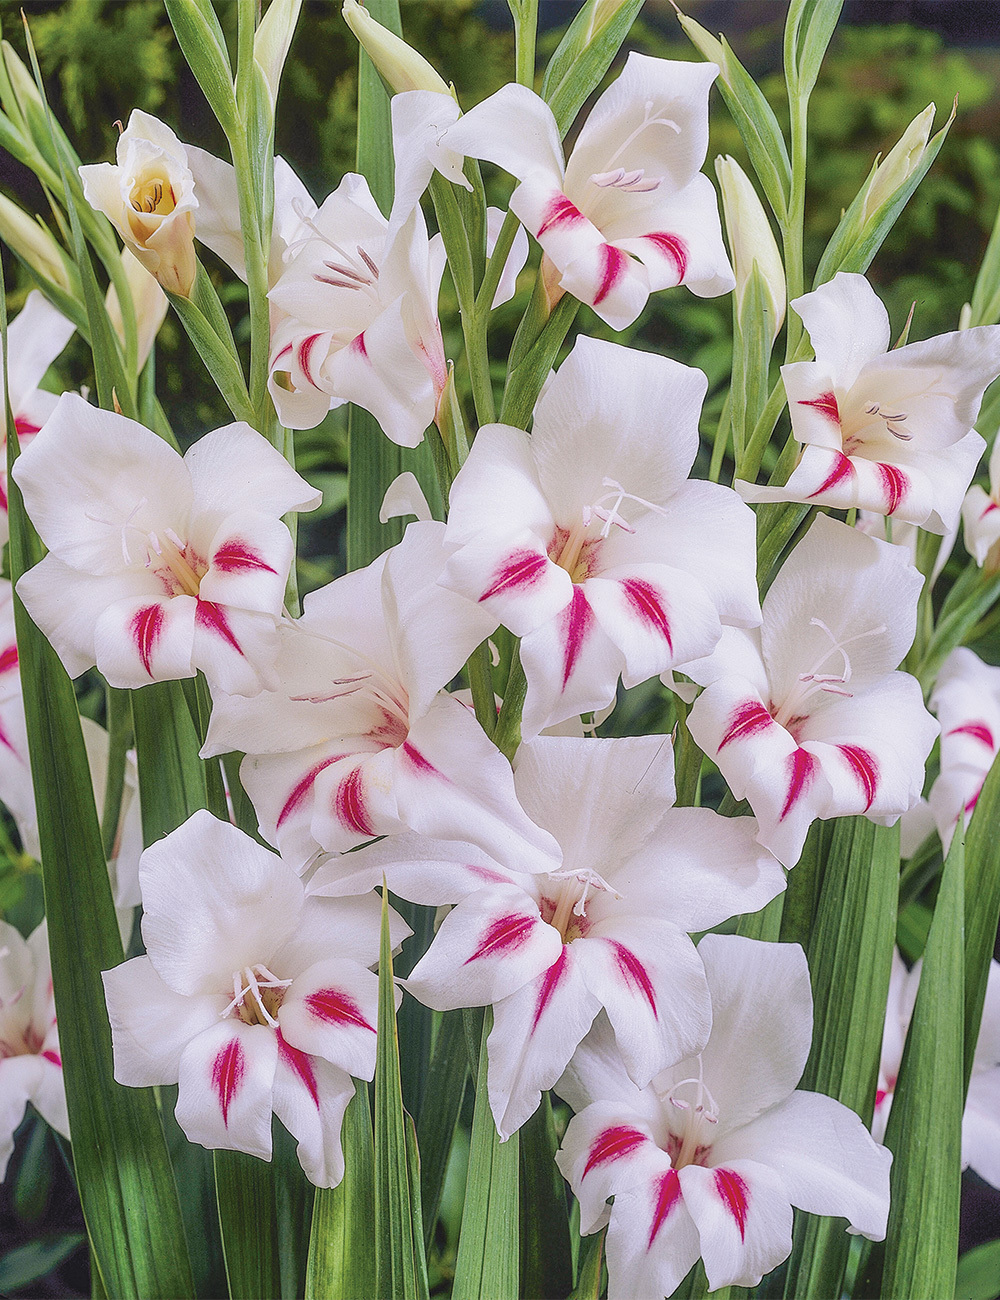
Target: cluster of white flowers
[(573, 881)]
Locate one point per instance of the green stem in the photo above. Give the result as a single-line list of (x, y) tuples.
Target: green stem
[(507, 735), (480, 673), (525, 28), (792, 228), (721, 441), (256, 265)]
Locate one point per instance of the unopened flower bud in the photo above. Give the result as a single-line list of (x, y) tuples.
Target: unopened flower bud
[(148, 195), (899, 163), (274, 36), (399, 65), (703, 41), (751, 240), (31, 241), (601, 12), (148, 299), (20, 78)]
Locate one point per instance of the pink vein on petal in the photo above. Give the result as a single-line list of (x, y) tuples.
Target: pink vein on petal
[(504, 935), (146, 628), (303, 355), (53, 1057), (647, 603), (633, 972), (235, 556), (978, 730), (301, 1064), (417, 759), (213, 617), (336, 1008), (801, 774), (560, 211), (746, 720), (350, 803), (894, 484), (550, 982), (671, 246), (8, 658), (843, 469), (614, 262), (864, 766), (577, 620), (668, 1193), (733, 1191), (228, 1069), (826, 404), (611, 1145), (302, 787), (521, 569)]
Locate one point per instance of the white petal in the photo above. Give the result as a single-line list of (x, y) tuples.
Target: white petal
[(140, 639), (218, 220), (434, 872), (310, 1097), (516, 258), (512, 128), (236, 468), (497, 490), (404, 496), (224, 1089), (331, 1010), (249, 558), (980, 523), (606, 1151), (19, 1077), (36, 336), (847, 324), (981, 1128), (614, 284), (743, 1218), (419, 118), (338, 927)]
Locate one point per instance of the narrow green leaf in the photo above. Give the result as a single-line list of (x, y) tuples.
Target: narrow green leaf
[(759, 131), (399, 1267), (850, 954), (445, 1091), (171, 775), (341, 1261), (581, 60), (815, 27), (200, 37), (979, 1273), (546, 1257), (413, 1165), (590, 1268), (488, 1248), (924, 1131), (524, 381), (217, 351), (24, 1265), (982, 894), (245, 1191)]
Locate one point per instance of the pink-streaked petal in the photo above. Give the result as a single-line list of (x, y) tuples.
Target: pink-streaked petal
[(535, 1032), (331, 1010), (226, 1077), (612, 282), (743, 1217), (814, 406), (603, 1153), (310, 1097), (491, 944), (513, 578), (652, 1240), (248, 562), (140, 640), (236, 649)]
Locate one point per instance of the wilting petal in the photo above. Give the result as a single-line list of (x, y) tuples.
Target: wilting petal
[(226, 1078), (331, 1010), (310, 1097), (743, 1218)]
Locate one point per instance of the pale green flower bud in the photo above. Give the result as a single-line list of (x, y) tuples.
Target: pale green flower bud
[(273, 37), (601, 12), (703, 41), (400, 66), (31, 241), (20, 78), (751, 240), (899, 163)]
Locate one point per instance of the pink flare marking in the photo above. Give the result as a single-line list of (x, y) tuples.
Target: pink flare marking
[(747, 719), (826, 404), (735, 1194), (228, 1069), (646, 601), (8, 743), (53, 1057), (990, 505), (504, 935), (550, 982), (213, 617), (235, 556), (559, 212), (613, 268), (336, 1008), (612, 1144), (895, 485), (417, 759), (577, 621), (359, 345), (25, 428), (880, 1096), (8, 658), (864, 766), (350, 803), (671, 246), (801, 773), (974, 800), (842, 470), (491, 877), (522, 569), (299, 1063), (302, 788), (302, 355), (278, 355), (978, 730), (3, 493), (633, 972), (668, 1193), (146, 628)]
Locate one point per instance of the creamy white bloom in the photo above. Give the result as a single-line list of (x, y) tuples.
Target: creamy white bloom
[(966, 700), (889, 431), (981, 516)]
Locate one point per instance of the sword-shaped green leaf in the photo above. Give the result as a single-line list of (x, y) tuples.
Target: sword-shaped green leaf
[(341, 1261)]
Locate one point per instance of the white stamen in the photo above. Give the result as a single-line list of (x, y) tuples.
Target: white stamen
[(253, 986), (830, 683), (590, 880), (705, 1104), (647, 120)]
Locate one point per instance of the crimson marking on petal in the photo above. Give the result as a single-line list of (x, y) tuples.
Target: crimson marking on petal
[(550, 982), (865, 767), (417, 759), (278, 355), (973, 801), (991, 505), (336, 1008), (734, 1193), (748, 719), (350, 803), (213, 617), (8, 658), (301, 1064), (577, 620), (801, 774), (484, 873), (3, 495), (978, 730), (522, 569), (633, 973), (145, 628), (235, 556), (646, 602), (302, 788), (612, 1144), (504, 935), (842, 470), (668, 1193), (359, 345), (880, 1096), (302, 355), (25, 428), (615, 262), (559, 212), (895, 485), (826, 404), (9, 744), (671, 246), (54, 1057), (228, 1069)]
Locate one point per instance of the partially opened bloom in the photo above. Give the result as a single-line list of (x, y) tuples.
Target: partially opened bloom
[(158, 565), (889, 431), (629, 212), (35, 337), (588, 540), (710, 1158), (253, 997), (604, 925), (981, 517), (981, 1118), (966, 700), (148, 195), (360, 738), (806, 717), (30, 1064)]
